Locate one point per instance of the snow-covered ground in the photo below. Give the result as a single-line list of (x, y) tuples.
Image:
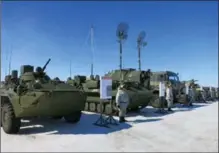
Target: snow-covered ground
[(186, 129)]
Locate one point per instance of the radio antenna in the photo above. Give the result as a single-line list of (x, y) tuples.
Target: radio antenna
[(92, 49), (0, 49), (9, 64), (122, 35), (70, 69)]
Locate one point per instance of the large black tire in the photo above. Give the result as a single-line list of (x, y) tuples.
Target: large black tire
[(73, 117), (156, 103), (10, 124)]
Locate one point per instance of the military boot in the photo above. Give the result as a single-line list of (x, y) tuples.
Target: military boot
[(122, 119), (169, 110), (190, 104)]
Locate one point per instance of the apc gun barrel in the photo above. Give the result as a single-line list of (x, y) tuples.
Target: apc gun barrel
[(44, 67)]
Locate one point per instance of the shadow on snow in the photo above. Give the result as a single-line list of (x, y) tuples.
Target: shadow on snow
[(152, 112), (84, 126)]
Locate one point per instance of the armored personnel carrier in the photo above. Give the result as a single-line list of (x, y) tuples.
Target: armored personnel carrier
[(34, 94), (139, 94)]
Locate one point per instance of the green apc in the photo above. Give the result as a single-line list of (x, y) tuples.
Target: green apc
[(140, 96), (178, 87), (34, 94)]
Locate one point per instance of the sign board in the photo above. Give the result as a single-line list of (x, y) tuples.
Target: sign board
[(161, 89), (105, 88), (187, 89), (201, 88)]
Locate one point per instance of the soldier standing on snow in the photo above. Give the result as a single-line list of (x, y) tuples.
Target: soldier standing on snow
[(169, 96), (122, 101), (203, 94), (191, 94)]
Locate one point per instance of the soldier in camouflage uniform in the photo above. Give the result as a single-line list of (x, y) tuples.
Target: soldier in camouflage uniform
[(169, 96), (122, 101)]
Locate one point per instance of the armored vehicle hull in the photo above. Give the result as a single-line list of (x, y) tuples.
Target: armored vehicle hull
[(140, 96), (138, 99), (45, 103), (32, 95)]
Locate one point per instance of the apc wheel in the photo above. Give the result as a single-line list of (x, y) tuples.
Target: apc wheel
[(10, 124), (92, 107), (73, 117), (86, 108), (99, 108), (155, 103)]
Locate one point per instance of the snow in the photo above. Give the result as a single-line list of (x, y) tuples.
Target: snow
[(185, 130)]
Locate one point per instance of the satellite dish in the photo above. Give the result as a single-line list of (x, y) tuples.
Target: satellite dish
[(141, 36), (122, 31), (140, 43)]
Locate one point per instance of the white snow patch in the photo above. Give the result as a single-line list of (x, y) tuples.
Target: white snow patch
[(185, 130)]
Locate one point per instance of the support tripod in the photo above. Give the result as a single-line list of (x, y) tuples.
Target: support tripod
[(110, 119), (105, 121)]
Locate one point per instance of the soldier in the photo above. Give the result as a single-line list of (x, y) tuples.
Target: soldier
[(169, 96), (191, 94), (203, 95), (122, 101)]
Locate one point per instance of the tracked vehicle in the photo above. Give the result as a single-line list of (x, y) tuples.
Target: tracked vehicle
[(140, 95), (34, 94)]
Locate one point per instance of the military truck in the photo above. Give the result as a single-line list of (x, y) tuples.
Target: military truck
[(34, 94), (177, 86), (140, 96)]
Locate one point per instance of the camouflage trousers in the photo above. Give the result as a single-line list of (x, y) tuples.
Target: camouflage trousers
[(169, 103), (191, 99), (122, 109), (122, 112)]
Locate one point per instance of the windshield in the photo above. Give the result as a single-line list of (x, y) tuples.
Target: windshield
[(173, 78)]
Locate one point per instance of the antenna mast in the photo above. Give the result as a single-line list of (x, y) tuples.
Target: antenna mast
[(122, 35), (0, 51), (139, 57), (9, 65), (70, 69), (92, 48), (140, 43)]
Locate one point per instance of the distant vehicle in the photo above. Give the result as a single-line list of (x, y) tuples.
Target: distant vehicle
[(178, 87)]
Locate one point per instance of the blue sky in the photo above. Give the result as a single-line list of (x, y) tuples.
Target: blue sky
[(181, 36)]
